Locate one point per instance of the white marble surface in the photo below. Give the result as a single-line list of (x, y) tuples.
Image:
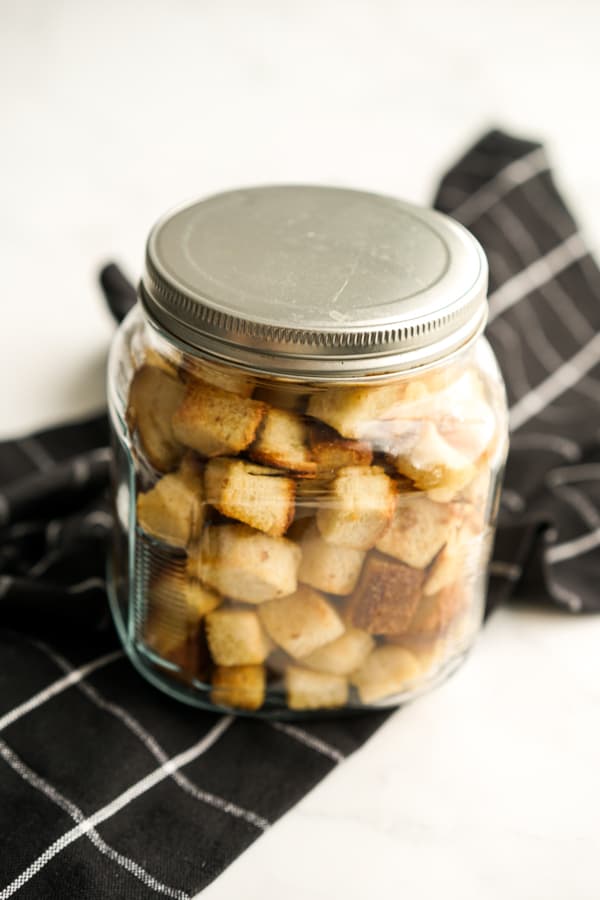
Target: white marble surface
[(113, 111)]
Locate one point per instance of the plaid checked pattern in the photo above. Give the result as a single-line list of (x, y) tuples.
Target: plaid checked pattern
[(110, 789)]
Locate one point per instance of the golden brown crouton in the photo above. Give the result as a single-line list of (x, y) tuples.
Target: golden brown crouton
[(328, 567), (153, 398), (429, 652), (282, 441), (238, 686), (386, 597), (342, 656), (246, 564), (360, 507), (418, 530), (435, 465), (301, 622), (435, 612), (387, 671), (462, 559), (173, 510), (235, 637), (354, 411), (176, 608), (314, 690), (152, 357), (224, 377), (215, 422), (284, 396), (260, 497), (331, 452)]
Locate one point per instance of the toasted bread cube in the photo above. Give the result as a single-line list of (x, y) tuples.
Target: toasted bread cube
[(435, 611), (189, 655), (282, 441), (360, 509), (301, 622), (173, 510), (328, 567), (238, 686), (173, 589), (178, 603), (459, 560), (434, 464), (246, 564), (225, 378), (172, 627), (353, 412), (235, 637), (153, 398), (314, 690), (215, 422), (286, 396), (262, 498), (331, 452), (152, 357), (342, 656), (386, 597), (387, 671), (418, 530)]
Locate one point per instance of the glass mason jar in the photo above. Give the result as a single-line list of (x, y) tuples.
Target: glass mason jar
[(309, 432)]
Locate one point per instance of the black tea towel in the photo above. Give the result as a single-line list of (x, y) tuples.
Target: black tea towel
[(110, 789)]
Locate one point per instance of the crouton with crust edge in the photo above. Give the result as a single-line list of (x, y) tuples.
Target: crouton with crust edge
[(301, 622), (260, 497), (245, 564), (153, 398), (360, 508), (173, 510), (215, 422), (282, 441)]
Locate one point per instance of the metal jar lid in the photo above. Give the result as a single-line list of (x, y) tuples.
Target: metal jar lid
[(314, 282)]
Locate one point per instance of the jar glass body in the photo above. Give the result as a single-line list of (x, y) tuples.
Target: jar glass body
[(284, 548)]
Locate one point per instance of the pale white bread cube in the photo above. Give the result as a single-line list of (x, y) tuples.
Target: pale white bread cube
[(466, 419), (282, 441), (388, 670), (342, 656), (355, 412), (236, 637), (306, 689), (434, 464), (457, 406), (332, 452), (173, 511), (360, 508), (386, 596), (328, 567), (301, 622), (247, 565), (474, 501), (154, 395), (242, 687), (418, 531), (215, 422), (262, 498), (225, 378)]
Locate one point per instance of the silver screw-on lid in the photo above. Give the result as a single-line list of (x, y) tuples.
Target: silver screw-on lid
[(314, 282)]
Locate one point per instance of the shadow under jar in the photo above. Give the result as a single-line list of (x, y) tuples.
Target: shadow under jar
[(309, 431)]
